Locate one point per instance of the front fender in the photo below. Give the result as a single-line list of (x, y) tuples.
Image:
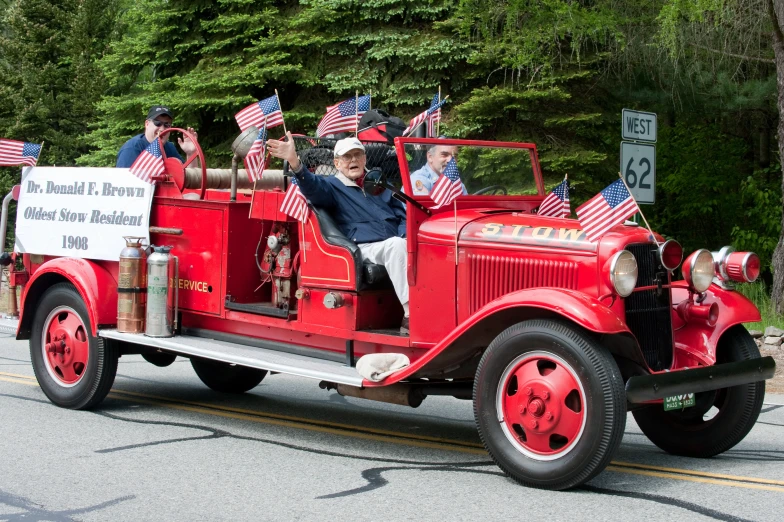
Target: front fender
[(94, 282), (576, 307), (695, 342)]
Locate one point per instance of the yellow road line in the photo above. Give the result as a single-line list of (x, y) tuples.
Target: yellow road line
[(697, 473), (413, 440), (300, 420), (688, 478)]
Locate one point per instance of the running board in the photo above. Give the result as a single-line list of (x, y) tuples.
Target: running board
[(241, 355)]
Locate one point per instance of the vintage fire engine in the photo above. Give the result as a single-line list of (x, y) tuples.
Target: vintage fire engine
[(553, 337)]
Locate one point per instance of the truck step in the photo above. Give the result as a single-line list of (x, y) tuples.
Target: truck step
[(252, 357)]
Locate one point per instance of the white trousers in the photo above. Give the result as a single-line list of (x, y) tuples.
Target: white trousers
[(392, 254)]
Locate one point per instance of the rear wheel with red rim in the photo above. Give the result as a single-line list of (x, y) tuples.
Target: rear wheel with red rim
[(549, 404), (75, 369)]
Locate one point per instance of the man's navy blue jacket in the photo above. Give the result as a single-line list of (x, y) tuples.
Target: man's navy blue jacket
[(363, 218), (134, 146)]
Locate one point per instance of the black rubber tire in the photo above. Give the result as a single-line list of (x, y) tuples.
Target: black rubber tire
[(160, 359), (686, 433), (226, 378), (101, 365), (604, 396)]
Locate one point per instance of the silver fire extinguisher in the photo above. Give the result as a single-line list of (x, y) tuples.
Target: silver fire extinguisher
[(162, 283)]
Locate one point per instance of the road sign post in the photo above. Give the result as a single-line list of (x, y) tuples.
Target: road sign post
[(638, 160), (638, 167)]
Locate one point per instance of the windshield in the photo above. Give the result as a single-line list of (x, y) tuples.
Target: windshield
[(483, 170)]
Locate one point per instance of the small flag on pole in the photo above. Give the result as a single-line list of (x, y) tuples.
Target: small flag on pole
[(294, 203), (343, 117), (149, 163), (435, 106), (608, 208), (14, 152), (556, 204), (434, 118), (256, 113), (448, 186), (254, 160)]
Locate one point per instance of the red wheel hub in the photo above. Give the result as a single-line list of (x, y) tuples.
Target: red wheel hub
[(66, 347), (543, 405)]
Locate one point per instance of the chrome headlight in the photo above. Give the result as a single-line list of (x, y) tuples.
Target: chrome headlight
[(623, 272), (698, 270)]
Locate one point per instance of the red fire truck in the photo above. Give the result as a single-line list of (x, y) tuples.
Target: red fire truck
[(552, 336)]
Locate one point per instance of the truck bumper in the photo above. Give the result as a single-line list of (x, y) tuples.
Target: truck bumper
[(646, 388)]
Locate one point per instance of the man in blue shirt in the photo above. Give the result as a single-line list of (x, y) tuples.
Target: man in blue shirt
[(158, 119), (423, 179), (377, 223)]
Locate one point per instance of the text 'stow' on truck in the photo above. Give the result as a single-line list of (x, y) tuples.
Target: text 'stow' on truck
[(553, 337)]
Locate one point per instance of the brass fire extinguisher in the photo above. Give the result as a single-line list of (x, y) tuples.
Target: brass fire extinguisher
[(132, 286)]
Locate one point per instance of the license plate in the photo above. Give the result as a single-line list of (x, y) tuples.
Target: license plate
[(679, 402)]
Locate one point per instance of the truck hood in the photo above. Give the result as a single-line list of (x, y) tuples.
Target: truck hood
[(505, 229)]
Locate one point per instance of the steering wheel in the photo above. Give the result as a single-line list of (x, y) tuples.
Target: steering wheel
[(492, 189), (199, 154)]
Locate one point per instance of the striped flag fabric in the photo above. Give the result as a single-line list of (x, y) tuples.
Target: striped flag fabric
[(344, 116), (294, 202), (254, 160), (256, 113), (149, 163), (608, 208), (448, 186), (432, 122), (556, 204), (13, 152), (435, 106)]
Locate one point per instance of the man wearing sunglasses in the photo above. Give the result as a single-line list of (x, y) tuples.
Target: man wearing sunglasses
[(376, 223), (159, 118)]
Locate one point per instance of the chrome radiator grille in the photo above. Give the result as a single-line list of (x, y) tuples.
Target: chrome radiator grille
[(648, 311)]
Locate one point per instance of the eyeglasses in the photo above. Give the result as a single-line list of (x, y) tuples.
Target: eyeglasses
[(166, 124), (348, 157)]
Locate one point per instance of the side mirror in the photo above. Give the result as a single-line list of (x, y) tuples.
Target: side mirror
[(375, 181)]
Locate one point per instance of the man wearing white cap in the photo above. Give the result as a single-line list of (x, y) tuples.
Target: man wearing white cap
[(377, 223)]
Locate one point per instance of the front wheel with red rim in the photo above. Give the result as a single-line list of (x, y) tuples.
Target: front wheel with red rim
[(75, 369), (549, 404)]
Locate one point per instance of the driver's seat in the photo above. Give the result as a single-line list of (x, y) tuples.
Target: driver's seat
[(367, 275)]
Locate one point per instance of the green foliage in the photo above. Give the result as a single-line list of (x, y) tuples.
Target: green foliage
[(48, 78), (208, 60), (759, 294), (699, 170), (759, 222), (536, 61)]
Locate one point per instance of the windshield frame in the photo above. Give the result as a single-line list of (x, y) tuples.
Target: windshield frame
[(405, 175)]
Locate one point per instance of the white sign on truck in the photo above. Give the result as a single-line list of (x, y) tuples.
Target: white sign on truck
[(81, 212)]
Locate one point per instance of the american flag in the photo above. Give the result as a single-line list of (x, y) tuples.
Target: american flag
[(254, 160), (448, 186), (556, 204), (294, 203), (432, 120), (435, 106), (149, 163), (14, 152), (606, 209), (344, 116), (255, 114)]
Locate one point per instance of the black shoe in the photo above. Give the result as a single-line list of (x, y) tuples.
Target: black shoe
[(404, 326)]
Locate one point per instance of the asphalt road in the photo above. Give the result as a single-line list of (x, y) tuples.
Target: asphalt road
[(164, 447)]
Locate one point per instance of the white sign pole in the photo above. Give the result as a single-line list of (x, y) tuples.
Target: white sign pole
[(81, 212)]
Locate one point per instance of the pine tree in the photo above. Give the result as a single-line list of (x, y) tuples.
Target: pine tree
[(208, 60)]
